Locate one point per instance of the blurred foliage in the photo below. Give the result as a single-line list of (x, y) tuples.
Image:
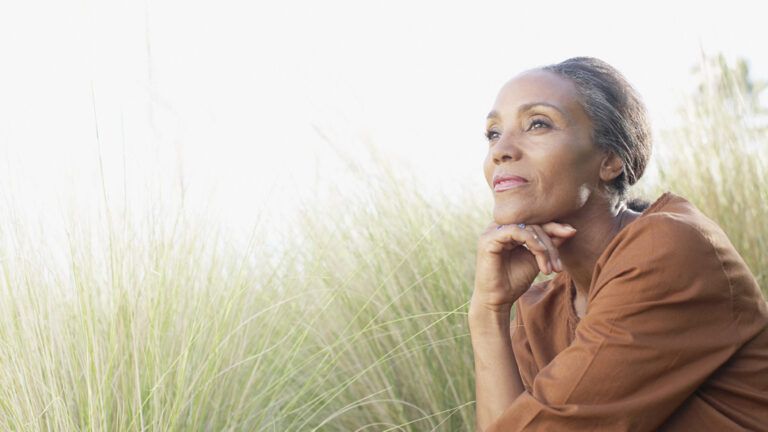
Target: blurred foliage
[(717, 157)]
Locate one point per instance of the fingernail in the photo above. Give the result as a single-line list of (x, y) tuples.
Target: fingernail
[(568, 227), (560, 264)]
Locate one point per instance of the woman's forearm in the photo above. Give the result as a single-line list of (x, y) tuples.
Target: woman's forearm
[(497, 380)]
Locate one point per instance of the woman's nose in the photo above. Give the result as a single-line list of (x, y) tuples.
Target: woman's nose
[(506, 148)]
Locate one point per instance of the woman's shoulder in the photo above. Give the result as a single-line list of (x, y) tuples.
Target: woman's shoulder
[(670, 222), (673, 248)]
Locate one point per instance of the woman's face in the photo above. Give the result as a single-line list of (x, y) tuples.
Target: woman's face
[(539, 131)]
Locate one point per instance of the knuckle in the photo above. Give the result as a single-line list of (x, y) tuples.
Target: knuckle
[(486, 248), (483, 243)]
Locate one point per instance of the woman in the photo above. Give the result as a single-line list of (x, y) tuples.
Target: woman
[(652, 321)]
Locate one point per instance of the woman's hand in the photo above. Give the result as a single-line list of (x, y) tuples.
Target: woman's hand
[(510, 257)]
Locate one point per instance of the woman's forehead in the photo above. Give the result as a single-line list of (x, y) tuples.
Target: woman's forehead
[(538, 88)]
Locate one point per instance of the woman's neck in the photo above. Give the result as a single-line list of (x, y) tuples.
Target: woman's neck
[(596, 226)]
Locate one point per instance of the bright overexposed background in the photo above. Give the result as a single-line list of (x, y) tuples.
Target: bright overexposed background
[(242, 108)]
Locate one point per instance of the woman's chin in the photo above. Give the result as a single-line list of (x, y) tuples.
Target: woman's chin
[(505, 216)]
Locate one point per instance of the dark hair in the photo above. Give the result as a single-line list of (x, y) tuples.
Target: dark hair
[(619, 119)]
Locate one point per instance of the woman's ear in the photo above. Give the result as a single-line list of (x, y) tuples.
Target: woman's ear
[(611, 167)]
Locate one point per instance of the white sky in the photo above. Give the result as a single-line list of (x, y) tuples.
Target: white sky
[(231, 94)]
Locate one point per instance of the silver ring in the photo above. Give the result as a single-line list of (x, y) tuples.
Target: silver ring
[(521, 225)]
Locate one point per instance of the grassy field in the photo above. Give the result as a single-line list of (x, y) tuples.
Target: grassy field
[(156, 323)]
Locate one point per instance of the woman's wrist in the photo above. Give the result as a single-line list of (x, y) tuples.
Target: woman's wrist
[(488, 316), (497, 379), (478, 305)]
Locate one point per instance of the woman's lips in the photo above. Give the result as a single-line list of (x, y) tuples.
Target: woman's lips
[(508, 184)]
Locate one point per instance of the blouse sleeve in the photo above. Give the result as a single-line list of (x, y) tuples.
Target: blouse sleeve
[(659, 322), (521, 347)]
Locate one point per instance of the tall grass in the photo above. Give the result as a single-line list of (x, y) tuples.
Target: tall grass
[(157, 323), (361, 322), (718, 158)]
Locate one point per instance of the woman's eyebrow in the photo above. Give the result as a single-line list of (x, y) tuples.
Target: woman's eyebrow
[(525, 107)]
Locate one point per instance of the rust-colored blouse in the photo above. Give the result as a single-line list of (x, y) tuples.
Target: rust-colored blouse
[(675, 336)]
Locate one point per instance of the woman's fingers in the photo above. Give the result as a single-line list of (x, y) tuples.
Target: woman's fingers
[(554, 229), (536, 246), (552, 253), (511, 236), (542, 241), (557, 234)]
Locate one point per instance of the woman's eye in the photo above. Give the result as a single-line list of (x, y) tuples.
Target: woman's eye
[(491, 135), (539, 122)]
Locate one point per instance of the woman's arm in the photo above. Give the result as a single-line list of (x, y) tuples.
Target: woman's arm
[(497, 379), (504, 271)]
